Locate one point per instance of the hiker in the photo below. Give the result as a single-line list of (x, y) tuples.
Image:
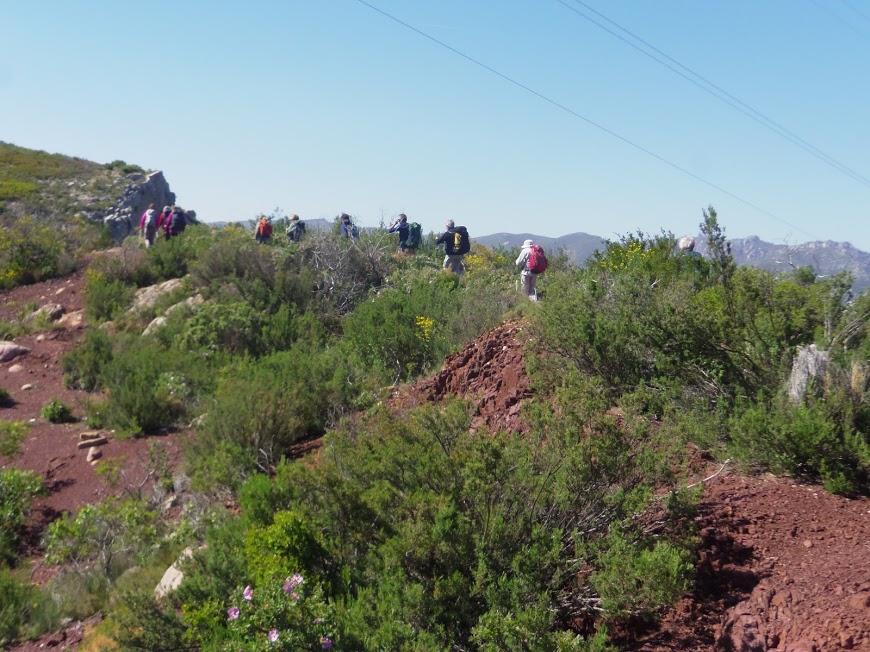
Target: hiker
[(533, 262), (296, 229), (456, 245), (687, 246), (177, 222), (400, 226), (348, 228), (163, 219), (263, 230), (148, 225)]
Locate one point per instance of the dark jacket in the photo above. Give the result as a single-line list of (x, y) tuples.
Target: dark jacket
[(402, 228), (447, 239)]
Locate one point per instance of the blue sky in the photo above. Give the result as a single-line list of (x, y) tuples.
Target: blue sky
[(324, 106)]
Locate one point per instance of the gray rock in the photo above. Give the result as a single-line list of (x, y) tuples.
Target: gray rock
[(51, 311), (123, 218), (11, 350), (809, 368), (180, 483), (147, 297), (172, 577), (154, 326), (190, 303)]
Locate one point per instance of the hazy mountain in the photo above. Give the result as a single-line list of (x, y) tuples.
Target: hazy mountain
[(826, 258), (578, 246)]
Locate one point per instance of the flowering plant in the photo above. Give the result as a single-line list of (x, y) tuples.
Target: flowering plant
[(284, 614)]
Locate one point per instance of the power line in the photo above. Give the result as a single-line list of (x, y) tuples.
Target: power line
[(713, 89), (820, 6), (851, 6), (586, 120)]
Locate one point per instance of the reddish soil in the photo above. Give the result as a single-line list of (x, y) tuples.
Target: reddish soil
[(489, 373), (51, 449), (782, 566)]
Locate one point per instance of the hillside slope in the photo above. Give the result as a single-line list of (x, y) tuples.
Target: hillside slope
[(62, 187)]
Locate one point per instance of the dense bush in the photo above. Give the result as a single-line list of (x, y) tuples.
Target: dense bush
[(105, 298), (151, 387), (83, 366), (12, 433), (56, 411), (109, 537), (17, 491), (263, 407), (25, 611)]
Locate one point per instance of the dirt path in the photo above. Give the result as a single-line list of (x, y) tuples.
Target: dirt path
[(782, 567)]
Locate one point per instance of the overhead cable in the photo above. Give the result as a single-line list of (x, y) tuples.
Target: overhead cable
[(585, 119), (713, 89)]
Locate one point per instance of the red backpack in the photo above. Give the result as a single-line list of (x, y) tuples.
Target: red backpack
[(537, 260)]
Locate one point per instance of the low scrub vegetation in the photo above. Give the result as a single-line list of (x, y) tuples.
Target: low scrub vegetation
[(410, 531)]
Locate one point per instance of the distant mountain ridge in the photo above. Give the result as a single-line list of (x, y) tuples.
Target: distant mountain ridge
[(825, 257)]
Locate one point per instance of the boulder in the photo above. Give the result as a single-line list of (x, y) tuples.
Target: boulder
[(51, 311), (147, 297), (154, 326), (72, 319), (171, 579), (11, 350), (190, 303), (809, 368)]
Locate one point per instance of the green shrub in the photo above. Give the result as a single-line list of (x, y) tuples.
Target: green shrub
[(263, 407), (56, 411), (813, 441), (83, 366), (12, 434), (5, 398), (109, 537), (288, 542), (635, 580), (105, 299), (25, 611), (17, 491), (150, 387)]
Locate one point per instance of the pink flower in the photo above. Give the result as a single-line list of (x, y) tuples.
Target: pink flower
[(248, 593), (293, 582), (233, 613), (295, 596), (317, 621), (325, 642), (272, 635)]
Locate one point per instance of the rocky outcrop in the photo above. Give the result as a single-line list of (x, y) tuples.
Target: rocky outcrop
[(123, 217), (809, 368)]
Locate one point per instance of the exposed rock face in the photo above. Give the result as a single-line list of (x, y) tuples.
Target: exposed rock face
[(123, 217), (809, 366)]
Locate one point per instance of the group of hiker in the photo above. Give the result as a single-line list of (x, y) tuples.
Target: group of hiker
[(455, 240), (171, 220)]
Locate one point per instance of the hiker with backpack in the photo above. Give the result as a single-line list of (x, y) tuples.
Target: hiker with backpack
[(456, 244), (175, 224), (348, 228), (533, 262), (296, 229), (163, 219), (148, 225), (409, 234), (263, 230)]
